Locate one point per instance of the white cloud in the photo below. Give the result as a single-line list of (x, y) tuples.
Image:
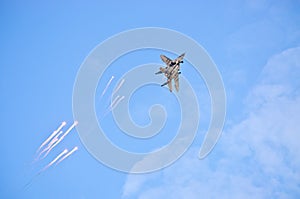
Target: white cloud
[(136, 182), (256, 158)]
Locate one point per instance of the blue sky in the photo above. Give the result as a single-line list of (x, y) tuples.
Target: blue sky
[(255, 45)]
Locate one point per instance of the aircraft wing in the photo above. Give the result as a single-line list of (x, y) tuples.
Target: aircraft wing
[(180, 58), (166, 59)]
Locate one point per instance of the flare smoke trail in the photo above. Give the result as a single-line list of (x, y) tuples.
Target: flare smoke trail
[(114, 92), (67, 155), (61, 138), (118, 87), (108, 109), (116, 104), (52, 141), (55, 159), (45, 168), (51, 136), (55, 139), (107, 85), (114, 101)]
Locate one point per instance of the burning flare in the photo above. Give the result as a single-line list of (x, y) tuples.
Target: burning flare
[(51, 136), (61, 138), (67, 155)]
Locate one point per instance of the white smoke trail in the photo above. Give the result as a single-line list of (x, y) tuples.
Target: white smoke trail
[(107, 85), (51, 136), (67, 155), (45, 168), (113, 104), (114, 101), (55, 139), (118, 87), (116, 104), (55, 159), (61, 138)]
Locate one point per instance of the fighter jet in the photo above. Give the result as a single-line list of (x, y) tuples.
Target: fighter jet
[(171, 71)]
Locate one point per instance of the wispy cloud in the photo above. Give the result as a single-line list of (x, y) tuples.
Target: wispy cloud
[(255, 158)]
